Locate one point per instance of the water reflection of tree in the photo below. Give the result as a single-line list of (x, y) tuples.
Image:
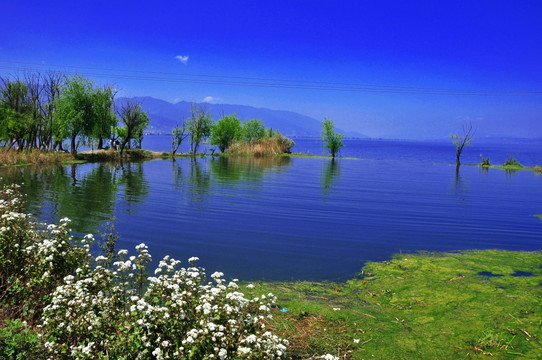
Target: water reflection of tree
[(460, 186), (85, 193), (191, 177), (330, 173), (253, 169), (133, 183)]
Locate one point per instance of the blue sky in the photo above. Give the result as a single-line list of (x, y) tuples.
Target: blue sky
[(464, 51)]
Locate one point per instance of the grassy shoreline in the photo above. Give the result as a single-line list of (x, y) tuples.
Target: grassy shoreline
[(509, 167), (34, 157), (472, 304)]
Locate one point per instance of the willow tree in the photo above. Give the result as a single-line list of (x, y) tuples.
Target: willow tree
[(332, 141), (199, 126), (82, 111), (225, 132), (15, 112), (135, 122)]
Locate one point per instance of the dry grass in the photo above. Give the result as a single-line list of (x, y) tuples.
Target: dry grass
[(13, 157), (266, 147)]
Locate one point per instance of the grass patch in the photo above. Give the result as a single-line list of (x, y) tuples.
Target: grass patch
[(26, 157), (112, 155), (419, 306)]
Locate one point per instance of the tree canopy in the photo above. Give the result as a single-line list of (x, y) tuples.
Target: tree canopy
[(226, 131), (253, 130), (332, 141), (199, 125)]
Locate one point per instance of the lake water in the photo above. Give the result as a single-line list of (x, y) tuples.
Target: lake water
[(300, 218)]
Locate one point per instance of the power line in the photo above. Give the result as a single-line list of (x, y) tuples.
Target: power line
[(207, 79)]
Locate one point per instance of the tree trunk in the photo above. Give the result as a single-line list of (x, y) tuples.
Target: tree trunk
[(73, 146), (457, 158)]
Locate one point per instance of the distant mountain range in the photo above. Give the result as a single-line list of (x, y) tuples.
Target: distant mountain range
[(164, 116)]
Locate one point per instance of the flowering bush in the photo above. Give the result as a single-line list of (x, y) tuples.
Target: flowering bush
[(110, 308), (34, 258), (109, 313)]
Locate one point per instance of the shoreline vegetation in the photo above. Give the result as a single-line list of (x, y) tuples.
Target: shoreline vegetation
[(13, 157), (62, 298)]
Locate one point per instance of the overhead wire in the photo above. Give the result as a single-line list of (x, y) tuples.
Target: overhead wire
[(207, 79)]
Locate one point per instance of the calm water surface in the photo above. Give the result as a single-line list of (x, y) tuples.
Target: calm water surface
[(299, 218)]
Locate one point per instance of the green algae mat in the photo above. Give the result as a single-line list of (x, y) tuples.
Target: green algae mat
[(468, 305)]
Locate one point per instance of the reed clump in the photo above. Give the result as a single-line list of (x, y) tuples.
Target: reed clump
[(274, 145), (23, 157)]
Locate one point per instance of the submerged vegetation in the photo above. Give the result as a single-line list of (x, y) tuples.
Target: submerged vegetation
[(474, 304)]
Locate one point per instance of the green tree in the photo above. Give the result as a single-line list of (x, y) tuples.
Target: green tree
[(199, 126), (75, 114), (332, 141), (15, 112), (253, 130), (135, 122), (105, 118), (226, 131), (462, 140)]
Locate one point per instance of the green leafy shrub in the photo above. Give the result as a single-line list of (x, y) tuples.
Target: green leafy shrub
[(253, 130), (225, 132), (18, 342)]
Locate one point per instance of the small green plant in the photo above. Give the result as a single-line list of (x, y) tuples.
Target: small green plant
[(511, 161), (484, 161)]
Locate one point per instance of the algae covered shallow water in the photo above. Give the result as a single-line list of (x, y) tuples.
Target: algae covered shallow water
[(292, 218)]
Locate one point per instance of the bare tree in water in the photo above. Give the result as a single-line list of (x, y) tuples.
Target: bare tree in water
[(462, 140)]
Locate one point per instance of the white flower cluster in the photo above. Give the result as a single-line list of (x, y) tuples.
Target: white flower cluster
[(35, 255), (91, 307), (180, 315)]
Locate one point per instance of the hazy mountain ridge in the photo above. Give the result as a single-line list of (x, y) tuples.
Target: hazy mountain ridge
[(164, 116)]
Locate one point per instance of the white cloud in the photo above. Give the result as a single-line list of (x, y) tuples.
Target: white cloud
[(211, 100), (182, 58)]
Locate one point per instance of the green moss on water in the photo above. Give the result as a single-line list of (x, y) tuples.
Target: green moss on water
[(420, 306)]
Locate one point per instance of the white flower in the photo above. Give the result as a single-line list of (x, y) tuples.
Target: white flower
[(250, 286), (336, 309), (217, 274), (244, 350), (356, 341), (158, 353), (193, 258)]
